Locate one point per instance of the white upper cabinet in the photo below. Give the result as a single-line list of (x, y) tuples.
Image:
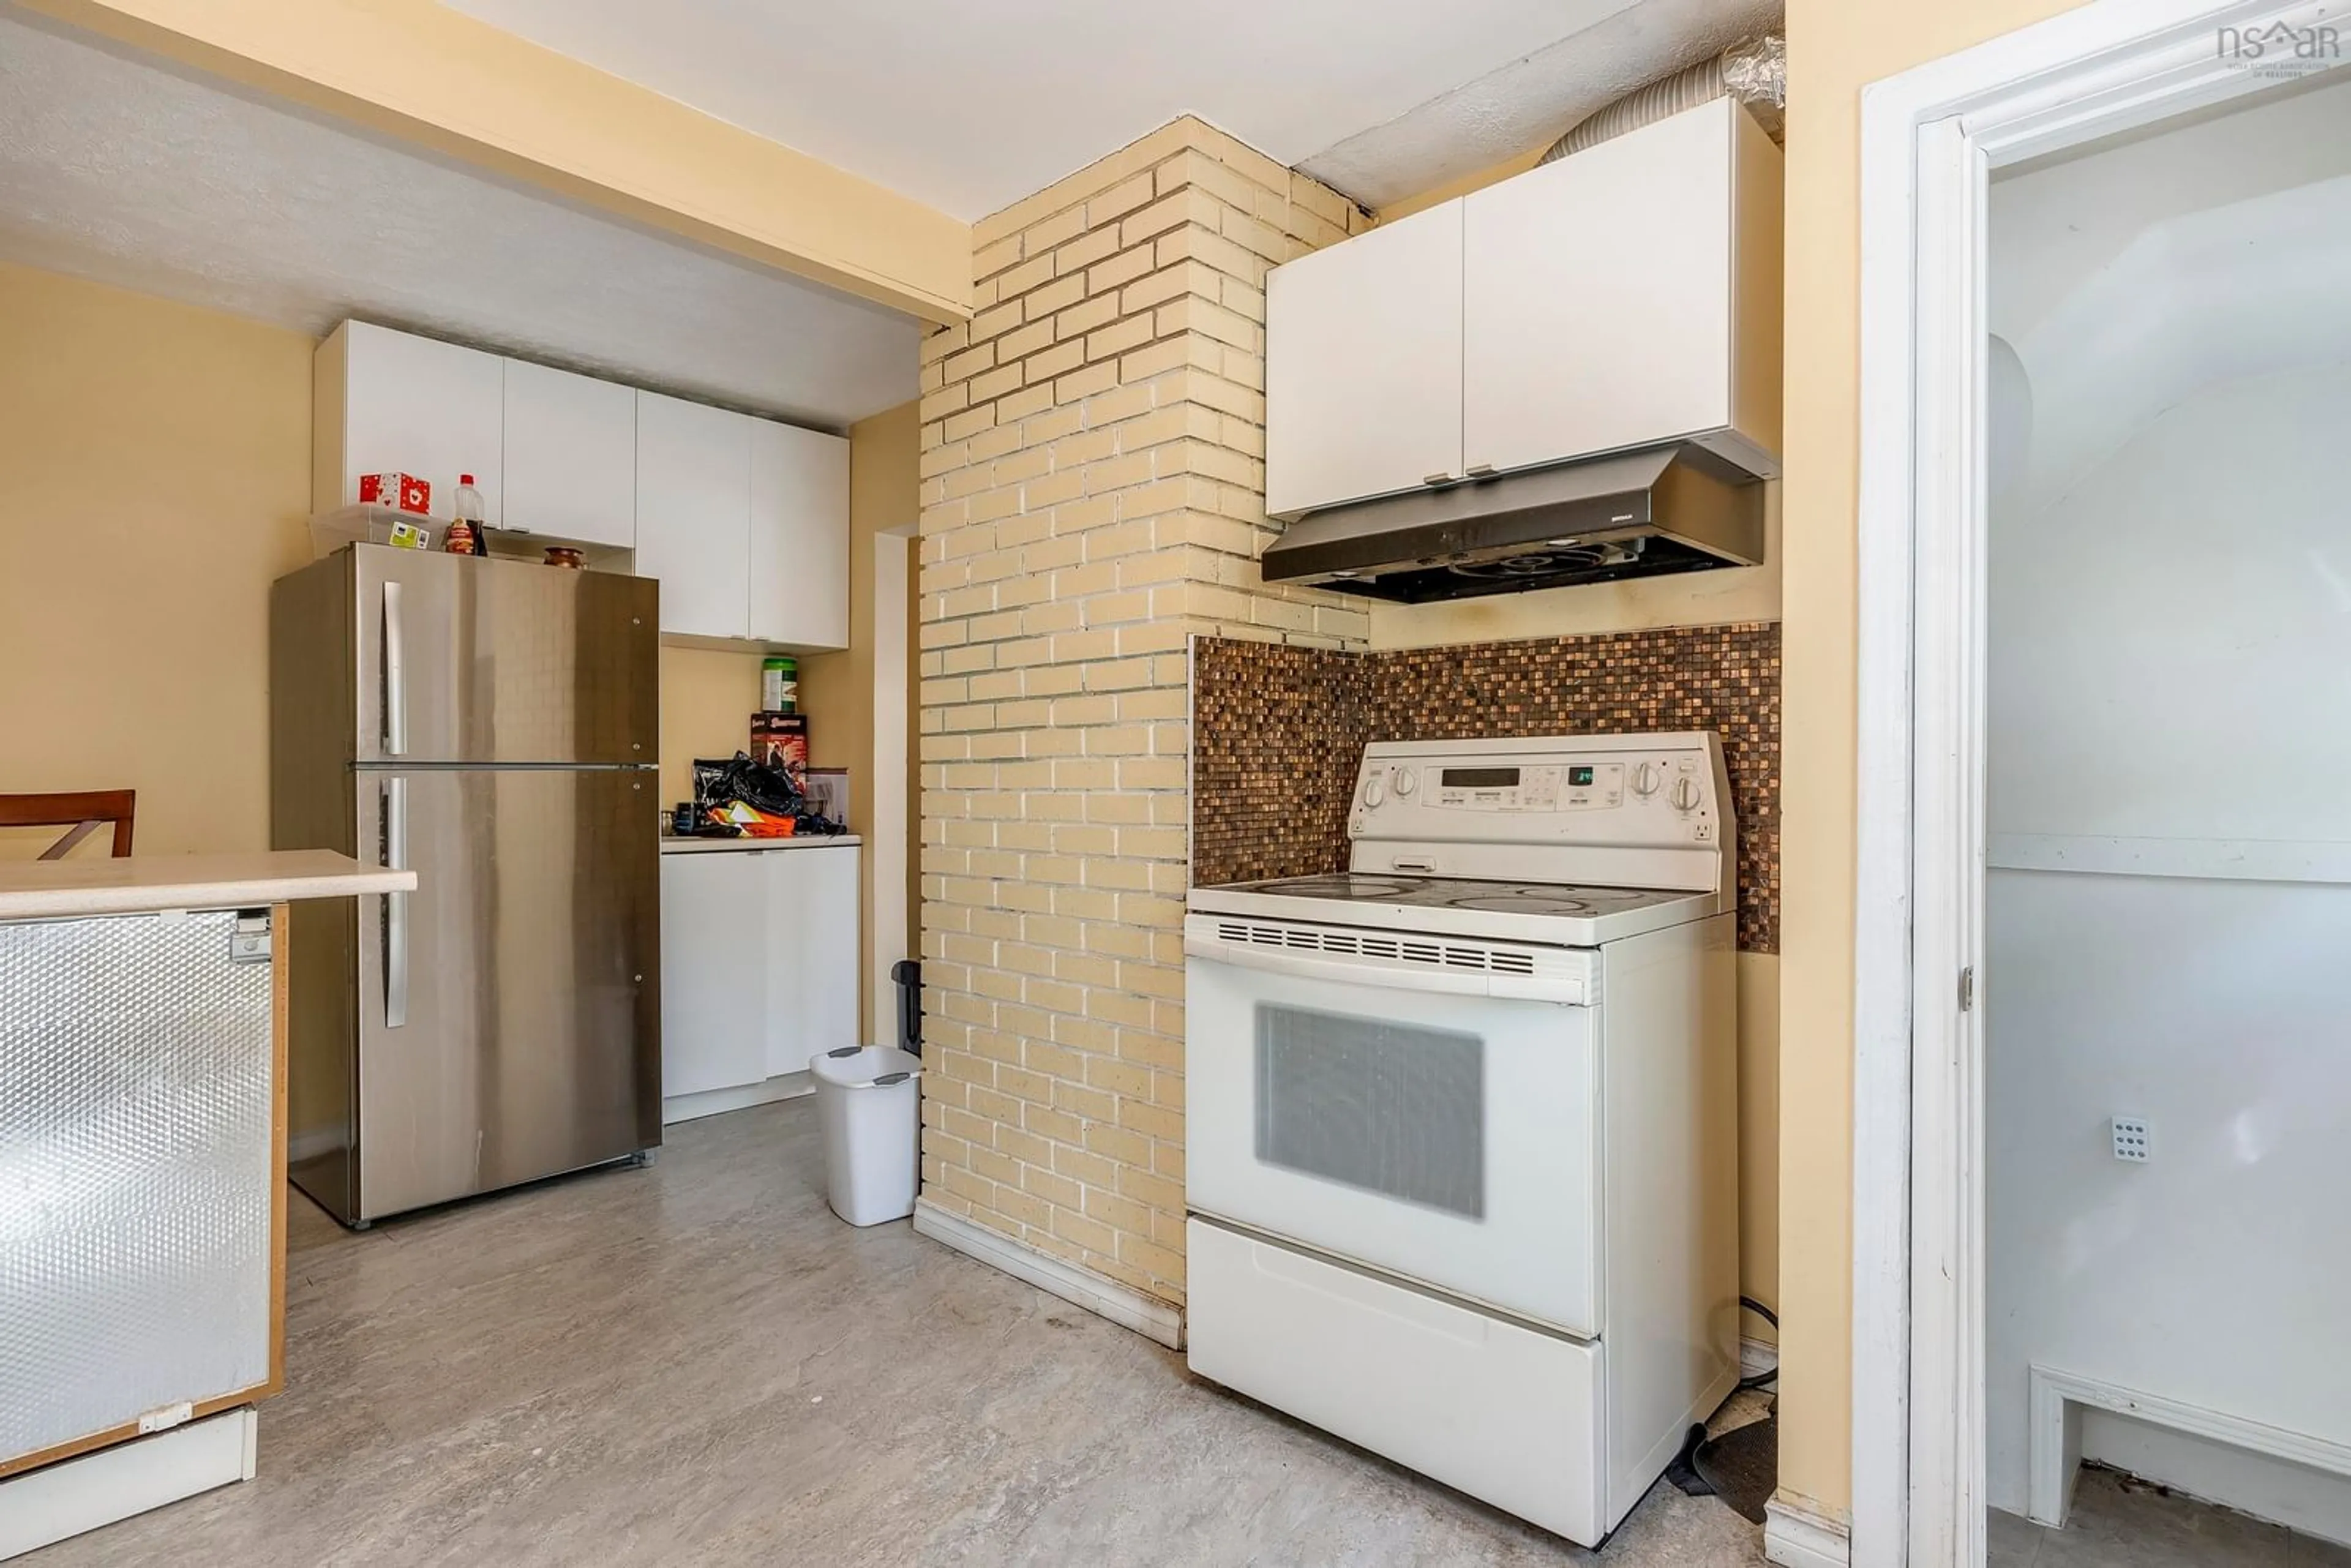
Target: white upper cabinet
[(1626, 295), (743, 521), (386, 402), (1363, 367), (693, 514), (571, 456), (799, 536)]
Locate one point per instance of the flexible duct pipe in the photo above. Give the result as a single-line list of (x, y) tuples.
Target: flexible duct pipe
[(1754, 72)]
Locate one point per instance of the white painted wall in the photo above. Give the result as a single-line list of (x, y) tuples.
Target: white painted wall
[(2171, 671)]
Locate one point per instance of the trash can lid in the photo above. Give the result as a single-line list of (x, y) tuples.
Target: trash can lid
[(866, 1066)]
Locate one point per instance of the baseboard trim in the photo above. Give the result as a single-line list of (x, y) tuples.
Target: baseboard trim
[(2053, 1443), (1797, 1537), (1080, 1287), (738, 1097), (39, 1508), (1756, 1357)]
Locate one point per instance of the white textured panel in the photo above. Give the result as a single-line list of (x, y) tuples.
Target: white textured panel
[(887, 91), (135, 1179), (118, 170)]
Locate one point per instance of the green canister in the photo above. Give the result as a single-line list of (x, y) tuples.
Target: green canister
[(780, 685)]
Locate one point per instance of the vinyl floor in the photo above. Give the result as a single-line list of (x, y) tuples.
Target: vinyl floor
[(697, 1364)]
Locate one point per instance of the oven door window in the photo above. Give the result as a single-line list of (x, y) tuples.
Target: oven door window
[(1451, 1139), (1389, 1108)]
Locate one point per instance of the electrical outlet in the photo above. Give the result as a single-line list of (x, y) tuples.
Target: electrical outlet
[(2130, 1138)]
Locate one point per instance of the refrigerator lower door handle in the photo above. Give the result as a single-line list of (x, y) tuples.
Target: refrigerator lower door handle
[(395, 905)]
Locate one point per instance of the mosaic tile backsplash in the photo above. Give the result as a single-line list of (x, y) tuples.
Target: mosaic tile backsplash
[(1278, 733)]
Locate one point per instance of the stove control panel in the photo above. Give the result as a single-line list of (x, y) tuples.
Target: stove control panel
[(1632, 792), (1540, 789)]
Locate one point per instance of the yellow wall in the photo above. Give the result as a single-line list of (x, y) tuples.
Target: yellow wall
[(1834, 47), (837, 689), (707, 698), (154, 478)]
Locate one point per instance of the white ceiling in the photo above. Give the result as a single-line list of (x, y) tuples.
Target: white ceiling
[(119, 170), (2129, 278), (970, 107)]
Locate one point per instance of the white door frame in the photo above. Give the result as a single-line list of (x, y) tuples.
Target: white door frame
[(1929, 139)]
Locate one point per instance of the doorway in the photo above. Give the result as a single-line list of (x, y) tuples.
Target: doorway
[(1932, 1379), (2167, 836)]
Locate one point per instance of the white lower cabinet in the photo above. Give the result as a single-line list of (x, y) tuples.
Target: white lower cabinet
[(812, 954), (758, 971)]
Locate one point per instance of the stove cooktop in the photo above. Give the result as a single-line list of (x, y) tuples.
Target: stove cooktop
[(1551, 912)]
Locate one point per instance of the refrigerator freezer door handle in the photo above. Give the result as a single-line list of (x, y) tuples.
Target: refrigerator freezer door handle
[(395, 678), (395, 905)]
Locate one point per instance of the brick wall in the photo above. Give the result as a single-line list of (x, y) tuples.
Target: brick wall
[(1093, 472)]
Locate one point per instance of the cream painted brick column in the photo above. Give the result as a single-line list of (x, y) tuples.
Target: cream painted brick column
[(1094, 494)]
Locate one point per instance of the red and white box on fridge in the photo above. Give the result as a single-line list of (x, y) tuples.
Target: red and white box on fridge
[(403, 492)]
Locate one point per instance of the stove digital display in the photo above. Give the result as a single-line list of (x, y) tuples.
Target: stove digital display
[(1480, 777), (1579, 778)]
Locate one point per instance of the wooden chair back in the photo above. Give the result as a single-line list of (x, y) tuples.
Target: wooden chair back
[(80, 813)]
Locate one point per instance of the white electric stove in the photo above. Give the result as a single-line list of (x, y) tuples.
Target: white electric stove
[(1461, 1121)]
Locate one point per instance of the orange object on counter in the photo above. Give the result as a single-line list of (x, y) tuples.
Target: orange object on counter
[(752, 822)]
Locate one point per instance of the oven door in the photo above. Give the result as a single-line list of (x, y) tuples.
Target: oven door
[(1396, 1112)]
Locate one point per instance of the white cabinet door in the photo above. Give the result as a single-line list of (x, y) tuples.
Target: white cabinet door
[(812, 954), (1597, 305), (571, 456), (1363, 369), (694, 512), (714, 929), (420, 406), (799, 536)]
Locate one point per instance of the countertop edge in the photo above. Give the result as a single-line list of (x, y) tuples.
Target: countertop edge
[(230, 892), (698, 846)]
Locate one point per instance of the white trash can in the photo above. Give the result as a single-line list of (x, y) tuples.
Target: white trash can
[(869, 1102)]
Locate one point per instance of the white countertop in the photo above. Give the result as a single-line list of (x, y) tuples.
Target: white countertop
[(695, 846), (41, 889)]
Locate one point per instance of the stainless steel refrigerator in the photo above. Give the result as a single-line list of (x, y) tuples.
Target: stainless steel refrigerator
[(493, 724)]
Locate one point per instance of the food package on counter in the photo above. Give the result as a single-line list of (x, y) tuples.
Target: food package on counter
[(782, 740), (402, 492)]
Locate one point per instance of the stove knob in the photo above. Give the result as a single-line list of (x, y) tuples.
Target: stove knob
[(1685, 795), (1373, 790), (1406, 781), (1644, 778)]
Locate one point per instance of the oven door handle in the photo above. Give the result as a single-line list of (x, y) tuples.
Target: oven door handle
[(1564, 991)]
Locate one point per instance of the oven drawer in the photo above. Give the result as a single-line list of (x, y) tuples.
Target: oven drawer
[(1496, 1409), (1449, 1139)]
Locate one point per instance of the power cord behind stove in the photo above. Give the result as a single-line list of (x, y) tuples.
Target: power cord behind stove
[(1772, 1372)]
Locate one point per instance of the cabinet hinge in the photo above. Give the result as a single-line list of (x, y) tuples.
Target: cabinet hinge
[(1967, 989)]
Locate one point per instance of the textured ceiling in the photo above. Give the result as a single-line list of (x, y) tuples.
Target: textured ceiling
[(118, 170), (1532, 100), (971, 107)]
